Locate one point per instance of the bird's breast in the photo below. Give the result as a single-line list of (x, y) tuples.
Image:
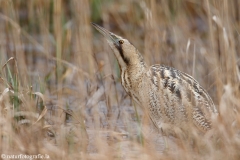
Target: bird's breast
[(133, 85)]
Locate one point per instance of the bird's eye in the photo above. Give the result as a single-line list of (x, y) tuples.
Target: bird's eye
[(121, 41)]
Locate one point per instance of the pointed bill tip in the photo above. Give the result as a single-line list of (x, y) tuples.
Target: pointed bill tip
[(94, 24), (97, 27), (106, 33)]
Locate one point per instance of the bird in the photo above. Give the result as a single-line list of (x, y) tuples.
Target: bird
[(174, 100)]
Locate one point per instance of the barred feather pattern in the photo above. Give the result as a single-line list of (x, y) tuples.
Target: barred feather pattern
[(176, 98)]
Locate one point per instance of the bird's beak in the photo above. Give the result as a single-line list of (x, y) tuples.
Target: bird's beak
[(112, 38)]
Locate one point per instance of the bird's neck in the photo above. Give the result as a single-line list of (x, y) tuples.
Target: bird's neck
[(135, 70)]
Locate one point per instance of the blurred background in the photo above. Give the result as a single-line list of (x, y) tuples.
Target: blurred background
[(60, 91)]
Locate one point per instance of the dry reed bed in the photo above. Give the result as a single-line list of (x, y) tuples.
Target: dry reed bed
[(60, 91)]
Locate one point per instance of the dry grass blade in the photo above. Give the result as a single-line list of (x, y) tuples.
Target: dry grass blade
[(40, 95), (6, 90), (15, 62), (12, 58), (95, 97), (41, 115), (26, 114)]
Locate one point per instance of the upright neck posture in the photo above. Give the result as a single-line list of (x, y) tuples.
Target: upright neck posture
[(127, 55), (171, 97)]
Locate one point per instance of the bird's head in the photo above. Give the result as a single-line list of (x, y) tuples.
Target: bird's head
[(124, 51)]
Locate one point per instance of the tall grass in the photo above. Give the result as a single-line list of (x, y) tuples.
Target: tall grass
[(60, 91)]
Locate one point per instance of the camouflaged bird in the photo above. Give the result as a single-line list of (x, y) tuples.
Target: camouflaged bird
[(173, 99)]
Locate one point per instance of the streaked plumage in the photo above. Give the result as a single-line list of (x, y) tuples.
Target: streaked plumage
[(173, 99)]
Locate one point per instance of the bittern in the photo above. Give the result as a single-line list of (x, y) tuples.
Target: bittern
[(173, 99)]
